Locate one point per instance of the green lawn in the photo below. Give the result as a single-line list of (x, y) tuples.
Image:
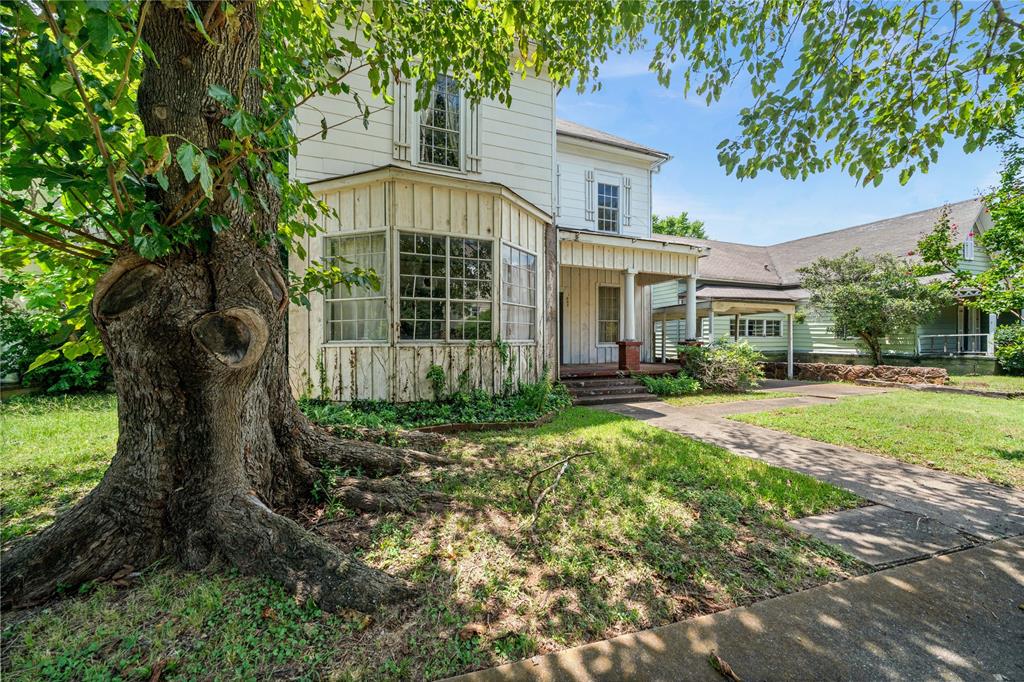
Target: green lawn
[(969, 435), (711, 397), (983, 382), (55, 451), (648, 529)]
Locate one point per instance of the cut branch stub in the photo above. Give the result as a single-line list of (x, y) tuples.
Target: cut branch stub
[(125, 285), (275, 283), (236, 336)]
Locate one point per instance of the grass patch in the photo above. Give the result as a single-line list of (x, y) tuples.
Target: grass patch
[(650, 528), (981, 438), (712, 397), (982, 382), (55, 450)]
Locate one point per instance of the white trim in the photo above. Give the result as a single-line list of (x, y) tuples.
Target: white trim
[(626, 241)]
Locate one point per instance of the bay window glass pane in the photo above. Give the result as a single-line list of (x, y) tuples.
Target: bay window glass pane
[(357, 313), (518, 294)]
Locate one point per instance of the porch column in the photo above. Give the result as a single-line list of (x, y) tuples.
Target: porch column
[(711, 321), (789, 346), (691, 307), (629, 347), (629, 284), (993, 322)]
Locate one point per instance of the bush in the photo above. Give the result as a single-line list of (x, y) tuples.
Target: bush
[(23, 339), (668, 385), (530, 402), (724, 366), (1009, 348)]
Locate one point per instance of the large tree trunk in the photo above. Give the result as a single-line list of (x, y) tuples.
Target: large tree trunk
[(211, 441)]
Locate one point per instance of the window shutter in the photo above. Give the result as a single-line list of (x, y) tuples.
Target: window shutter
[(627, 197), (589, 206), (400, 127), (474, 149)]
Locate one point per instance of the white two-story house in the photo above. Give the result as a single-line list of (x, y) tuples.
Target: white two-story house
[(506, 241)]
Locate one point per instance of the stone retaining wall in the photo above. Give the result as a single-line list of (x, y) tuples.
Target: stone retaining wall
[(823, 371)]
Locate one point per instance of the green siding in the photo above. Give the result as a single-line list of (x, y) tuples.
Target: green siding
[(664, 294), (981, 262)]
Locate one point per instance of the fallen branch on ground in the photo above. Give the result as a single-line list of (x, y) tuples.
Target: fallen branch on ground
[(544, 493)]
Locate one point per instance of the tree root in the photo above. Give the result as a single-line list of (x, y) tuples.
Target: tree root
[(370, 458), (417, 440), (385, 495), (92, 540), (261, 543)]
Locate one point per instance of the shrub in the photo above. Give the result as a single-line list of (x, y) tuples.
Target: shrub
[(24, 338), (668, 385), (1009, 348), (724, 366)]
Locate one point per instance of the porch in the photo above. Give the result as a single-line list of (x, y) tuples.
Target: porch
[(611, 369), (604, 296)]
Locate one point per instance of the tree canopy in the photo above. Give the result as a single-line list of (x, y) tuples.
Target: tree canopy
[(681, 225), (870, 298), (999, 288)]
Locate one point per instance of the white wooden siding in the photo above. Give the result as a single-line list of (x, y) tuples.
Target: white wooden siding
[(515, 142), (393, 369), (575, 161), (579, 290)]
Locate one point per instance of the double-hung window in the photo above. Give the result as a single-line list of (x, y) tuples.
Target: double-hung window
[(356, 313), (441, 125), (608, 314), (445, 288), (518, 294), (608, 208)]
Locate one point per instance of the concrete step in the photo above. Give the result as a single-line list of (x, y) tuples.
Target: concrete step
[(615, 398), (607, 390), (574, 384)]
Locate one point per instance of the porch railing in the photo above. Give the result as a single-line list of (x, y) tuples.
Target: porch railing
[(955, 344)]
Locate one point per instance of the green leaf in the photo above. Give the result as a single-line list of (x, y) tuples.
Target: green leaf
[(45, 357), (222, 95), (186, 157), (205, 176), (101, 29)]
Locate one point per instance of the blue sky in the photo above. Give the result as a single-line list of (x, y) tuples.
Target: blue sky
[(767, 209)]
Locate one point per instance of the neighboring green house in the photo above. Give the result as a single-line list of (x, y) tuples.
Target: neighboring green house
[(752, 293)]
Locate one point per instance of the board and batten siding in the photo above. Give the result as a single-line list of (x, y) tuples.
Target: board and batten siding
[(575, 161), (395, 370), (515, 146), (579, 289)]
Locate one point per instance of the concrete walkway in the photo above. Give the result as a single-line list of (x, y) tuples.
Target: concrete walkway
[(981, 510), (954, 617)]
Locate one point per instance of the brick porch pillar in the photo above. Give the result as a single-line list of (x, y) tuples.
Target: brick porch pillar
[(629, 355)]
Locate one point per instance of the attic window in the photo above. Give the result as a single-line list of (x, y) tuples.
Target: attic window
[(969, 247)]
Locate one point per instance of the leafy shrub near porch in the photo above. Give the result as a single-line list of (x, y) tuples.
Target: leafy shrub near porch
[(530, 402), (1009, 348), (668, 385), (724, 366)]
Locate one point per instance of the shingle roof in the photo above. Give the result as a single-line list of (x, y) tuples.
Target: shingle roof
[(577, 130), (777, 264)]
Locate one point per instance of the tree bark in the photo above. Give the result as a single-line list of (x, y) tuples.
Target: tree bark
[(211, 440)]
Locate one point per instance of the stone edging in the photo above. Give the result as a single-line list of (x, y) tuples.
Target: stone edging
[(932, 388), (486, 426)]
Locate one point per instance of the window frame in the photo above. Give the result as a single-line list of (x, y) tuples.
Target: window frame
[(397, 293), (385, 290), (597, 314), (536, 295), (417, 126), (610, 181)]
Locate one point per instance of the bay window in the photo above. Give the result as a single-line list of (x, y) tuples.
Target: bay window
[(356, 313), (518, 294)]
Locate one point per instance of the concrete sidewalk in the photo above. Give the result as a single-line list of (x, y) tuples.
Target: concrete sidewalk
[(954, 617)]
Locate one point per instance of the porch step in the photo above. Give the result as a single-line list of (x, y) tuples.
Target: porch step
[(615, 398), (605, 390)]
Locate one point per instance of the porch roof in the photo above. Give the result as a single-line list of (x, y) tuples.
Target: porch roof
[(726, 307), (653, 260)]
